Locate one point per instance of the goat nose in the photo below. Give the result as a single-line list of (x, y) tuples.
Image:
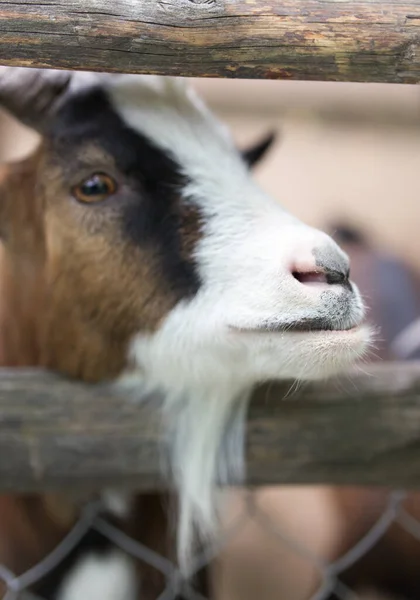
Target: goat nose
[(312, 274), (335, 276)]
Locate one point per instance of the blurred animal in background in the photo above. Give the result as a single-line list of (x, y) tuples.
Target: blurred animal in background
[(391, 291)]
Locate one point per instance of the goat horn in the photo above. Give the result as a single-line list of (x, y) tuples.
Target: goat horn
[(31, 95)]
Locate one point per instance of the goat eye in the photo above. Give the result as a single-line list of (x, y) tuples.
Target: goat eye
[(95, 189)]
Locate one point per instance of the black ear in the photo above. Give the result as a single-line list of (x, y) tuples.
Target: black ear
[(254, 154)]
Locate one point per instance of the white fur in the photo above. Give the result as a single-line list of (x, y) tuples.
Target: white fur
[(199, 357), (117, 502), (110, 576)]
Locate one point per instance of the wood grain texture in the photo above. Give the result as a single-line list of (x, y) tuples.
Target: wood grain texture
[(333, 40), (361, 429)]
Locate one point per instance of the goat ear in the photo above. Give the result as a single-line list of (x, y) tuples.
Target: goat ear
[(254, 154), (32, 95)]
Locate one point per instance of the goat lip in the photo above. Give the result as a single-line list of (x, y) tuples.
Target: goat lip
[(298, 327)]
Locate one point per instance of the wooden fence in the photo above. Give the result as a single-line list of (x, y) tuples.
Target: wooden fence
[(363, 429), (335, 40)]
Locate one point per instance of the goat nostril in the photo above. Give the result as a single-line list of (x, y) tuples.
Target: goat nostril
[(336, 277), (326, 277), (310, 277)]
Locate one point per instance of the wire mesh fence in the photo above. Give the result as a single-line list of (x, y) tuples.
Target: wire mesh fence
[(329, 572), (364, 431)]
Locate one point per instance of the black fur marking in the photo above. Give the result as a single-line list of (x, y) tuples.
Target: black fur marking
[(152, 216), (336, 269), (92, 543), (252, 156)]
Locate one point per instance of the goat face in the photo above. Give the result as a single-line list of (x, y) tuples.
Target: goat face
[(164, 259), (158, 241)]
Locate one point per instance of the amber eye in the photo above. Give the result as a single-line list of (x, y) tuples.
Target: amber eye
[(95, 189)]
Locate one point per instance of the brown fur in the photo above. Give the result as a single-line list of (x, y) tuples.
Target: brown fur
[(49, 240), (30, 528), (49, 251)]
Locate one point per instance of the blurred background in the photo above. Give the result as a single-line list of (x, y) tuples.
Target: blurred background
[(345, 151), (347, 160)]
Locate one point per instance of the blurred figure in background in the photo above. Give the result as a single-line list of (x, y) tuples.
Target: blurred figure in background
[(391, 291)]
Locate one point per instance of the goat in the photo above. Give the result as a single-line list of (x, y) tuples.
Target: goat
[(139, 250)]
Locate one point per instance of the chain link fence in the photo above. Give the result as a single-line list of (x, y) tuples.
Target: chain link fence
[(331, 584)]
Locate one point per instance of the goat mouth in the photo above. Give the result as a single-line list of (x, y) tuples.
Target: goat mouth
[(305, 326)]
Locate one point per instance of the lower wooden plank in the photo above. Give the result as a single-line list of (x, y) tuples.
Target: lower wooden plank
[(363, 428)]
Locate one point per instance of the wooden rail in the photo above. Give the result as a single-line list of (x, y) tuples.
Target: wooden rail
[(361, 429), (333, 40)]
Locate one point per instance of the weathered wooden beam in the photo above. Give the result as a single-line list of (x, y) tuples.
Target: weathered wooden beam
[(333, 40), (361, 429)]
